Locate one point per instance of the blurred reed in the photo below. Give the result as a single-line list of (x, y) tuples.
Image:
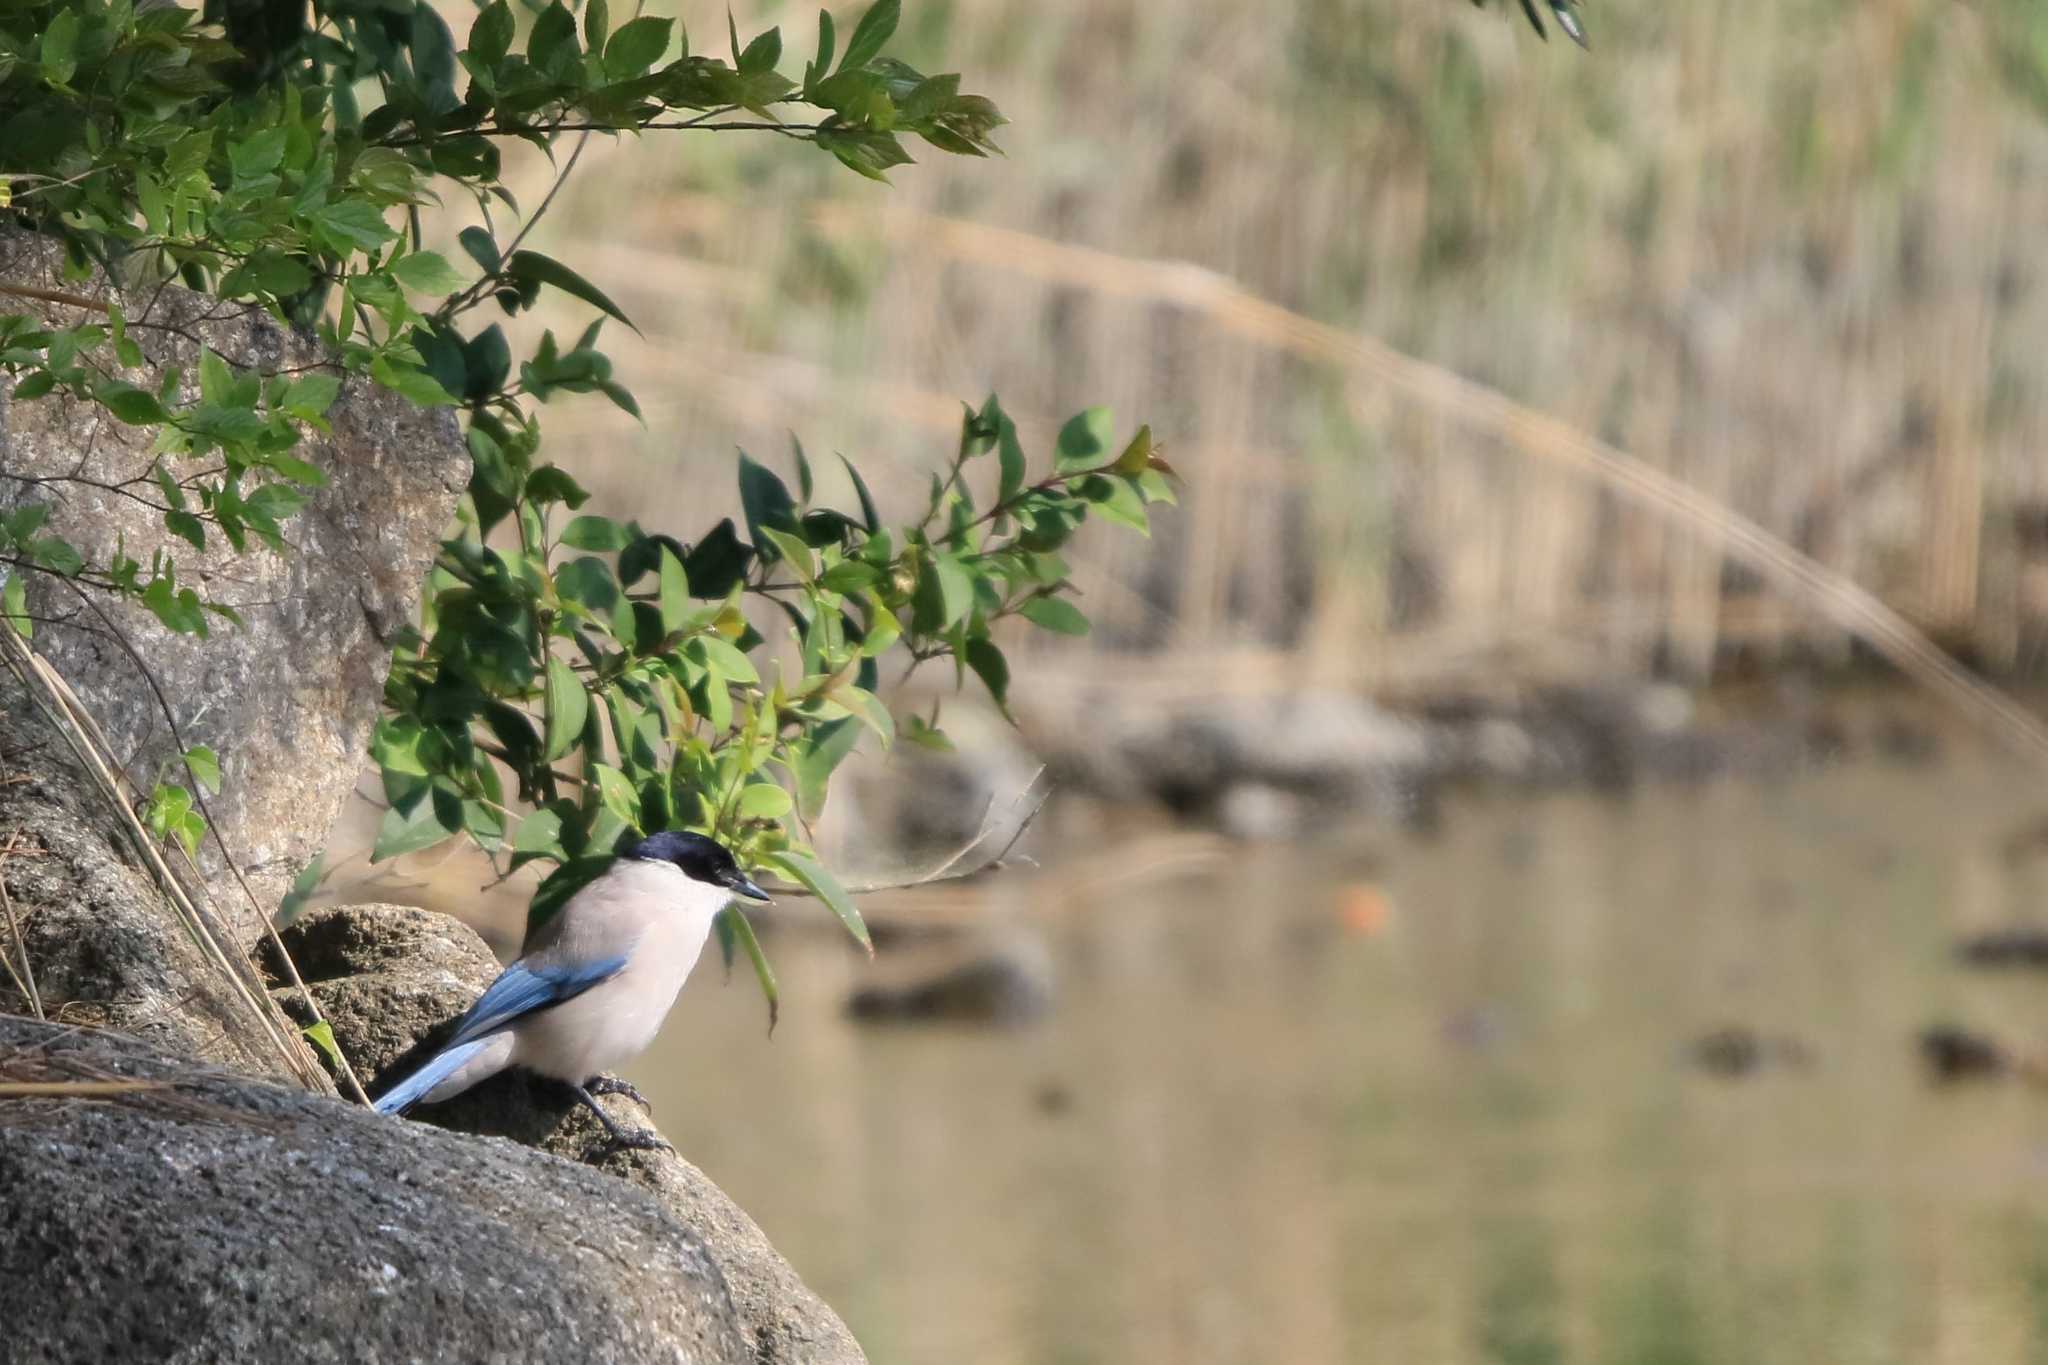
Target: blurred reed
[(1783, 253)]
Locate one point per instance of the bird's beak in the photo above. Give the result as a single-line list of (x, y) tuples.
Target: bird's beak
[(746, 888)]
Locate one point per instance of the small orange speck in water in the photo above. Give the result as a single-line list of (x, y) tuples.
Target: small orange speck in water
[(1363, 908)]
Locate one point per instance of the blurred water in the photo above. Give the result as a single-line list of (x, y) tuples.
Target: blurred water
[(1267, 1123)]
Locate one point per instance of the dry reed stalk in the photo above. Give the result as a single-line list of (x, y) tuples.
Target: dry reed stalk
[(61, 708), (1469, 403)]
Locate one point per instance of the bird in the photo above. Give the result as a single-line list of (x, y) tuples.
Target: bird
[(593, 981)]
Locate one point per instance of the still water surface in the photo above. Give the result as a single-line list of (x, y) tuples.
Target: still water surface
[(1266, 1123)]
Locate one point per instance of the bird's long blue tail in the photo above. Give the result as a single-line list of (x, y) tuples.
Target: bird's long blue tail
[(413, 1088)]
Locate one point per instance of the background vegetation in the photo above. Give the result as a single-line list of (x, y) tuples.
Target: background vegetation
[(1778, 250)]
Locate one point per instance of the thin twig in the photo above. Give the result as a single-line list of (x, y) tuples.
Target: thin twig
[(41, 295), (25, 979)]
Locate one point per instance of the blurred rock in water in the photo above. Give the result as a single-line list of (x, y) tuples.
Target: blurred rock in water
[(1009, 984)]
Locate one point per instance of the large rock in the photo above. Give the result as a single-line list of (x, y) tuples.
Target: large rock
[(288, 700), (103, 946), (390, 979), (229, 1220)]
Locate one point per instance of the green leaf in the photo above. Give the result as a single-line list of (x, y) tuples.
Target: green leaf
[(568, 706), (870, 710), (414, 385), (321, 1035), (539, 836), (867, 502), (490, 37), (676, 606), (204, 766), (792, 552), (353, 225), (815, 757), (550, 483), (821, 66), (764, 801), (1084, 440), (637, 46), (136, 407), (404, 831), (57, 54), (992, 668), (1055, 614), (731, 664), (764, 499), (554, 34), (850, 576), (428, 272), (615, 789), (945, 594), (871, 34), (596, 533), (531, 266), (741, 931), (810, 873), (477, 241), (762, 54), (1010, 454), (14, 604), (310, 395), (258, 154)]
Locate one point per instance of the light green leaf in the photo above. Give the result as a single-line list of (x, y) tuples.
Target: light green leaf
[(1084, 440), (764, 801), (615, 789), (734, 666), (808, 872), (321, 1035), (204, 766), (427, 272), (676, 607), (14, 604)]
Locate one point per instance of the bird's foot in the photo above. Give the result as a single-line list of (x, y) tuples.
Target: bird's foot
[(612, 1085), (644, 1140)]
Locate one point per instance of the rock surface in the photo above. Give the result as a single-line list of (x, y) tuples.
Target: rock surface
[(287, 702), (222, 1219), (104, 947), (390, 979)]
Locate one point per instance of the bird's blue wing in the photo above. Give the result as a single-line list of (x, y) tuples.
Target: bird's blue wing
[(521, 990)]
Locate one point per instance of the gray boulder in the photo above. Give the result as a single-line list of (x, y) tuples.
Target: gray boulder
[(287, 701), (223, 1219)]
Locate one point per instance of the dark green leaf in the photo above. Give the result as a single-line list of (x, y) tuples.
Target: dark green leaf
[(871, 34), (867, 502), (638, 45), (531, 266), (764, 499)]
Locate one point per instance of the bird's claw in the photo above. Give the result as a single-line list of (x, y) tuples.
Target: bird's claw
[(639, 1142), (612, 1085)]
